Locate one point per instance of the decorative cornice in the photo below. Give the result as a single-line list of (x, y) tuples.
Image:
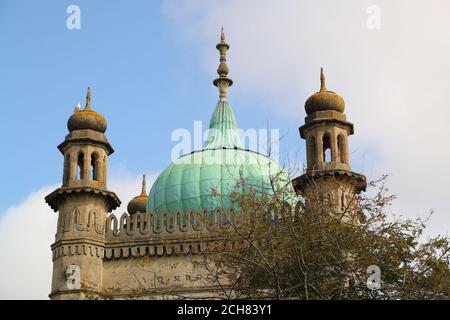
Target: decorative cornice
[(306, 179), (79, 247), (167, 223), (325, 122), (110, 251), (86, 136), (55, 198), (155, 249)]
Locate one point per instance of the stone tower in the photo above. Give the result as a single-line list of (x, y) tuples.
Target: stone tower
[(328, 173), (82, 203)]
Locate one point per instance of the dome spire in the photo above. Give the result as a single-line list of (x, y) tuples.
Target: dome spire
[(322, 81), (144, 186), (88, 100), (223, 132), (223, 82)]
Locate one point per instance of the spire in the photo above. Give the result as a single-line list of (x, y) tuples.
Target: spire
[(144, 186), (88, 100), (322, 81), (223, 132), (223, 82)]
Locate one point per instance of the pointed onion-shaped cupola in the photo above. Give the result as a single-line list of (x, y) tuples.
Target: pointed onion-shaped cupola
[(193, 181), (87, 118), (139, 203), (324, 100)]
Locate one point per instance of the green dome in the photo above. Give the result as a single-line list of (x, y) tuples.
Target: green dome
[(205, 178), (190, 181)]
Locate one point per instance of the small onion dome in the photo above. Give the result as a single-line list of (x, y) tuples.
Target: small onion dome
[(139, 203), (87, 118), (324, 100)]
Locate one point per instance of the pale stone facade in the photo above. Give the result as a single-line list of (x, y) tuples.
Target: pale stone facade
[(142, 255)]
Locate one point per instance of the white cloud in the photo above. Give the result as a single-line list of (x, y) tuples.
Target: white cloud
[(394, 80), (26, 232)]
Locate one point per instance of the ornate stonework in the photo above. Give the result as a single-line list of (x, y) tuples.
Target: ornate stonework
[(157, 255)]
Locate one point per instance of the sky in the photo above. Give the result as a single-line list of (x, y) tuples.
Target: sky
[(150, 65)]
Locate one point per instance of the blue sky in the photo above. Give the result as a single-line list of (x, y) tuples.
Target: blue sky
[(150, 66), (144, 75)]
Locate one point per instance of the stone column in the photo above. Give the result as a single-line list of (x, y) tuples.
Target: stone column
[(319, 150), (86, 166), (73, 167), (334, 148), (309, 151), (66, 169), (347, 155), (105, 169)]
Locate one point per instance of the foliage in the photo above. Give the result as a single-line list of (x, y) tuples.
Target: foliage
[(309, 250)]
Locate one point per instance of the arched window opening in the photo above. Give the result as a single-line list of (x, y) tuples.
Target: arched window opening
[(341, 148), (80, 164), (94, 167), (326, 148)]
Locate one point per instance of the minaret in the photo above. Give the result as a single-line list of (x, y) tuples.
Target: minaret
[(328, 173), (82, 203)]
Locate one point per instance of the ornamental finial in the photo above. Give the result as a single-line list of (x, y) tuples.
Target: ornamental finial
[(144, 186), (88, 100), (223, 82), (322, 81)]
